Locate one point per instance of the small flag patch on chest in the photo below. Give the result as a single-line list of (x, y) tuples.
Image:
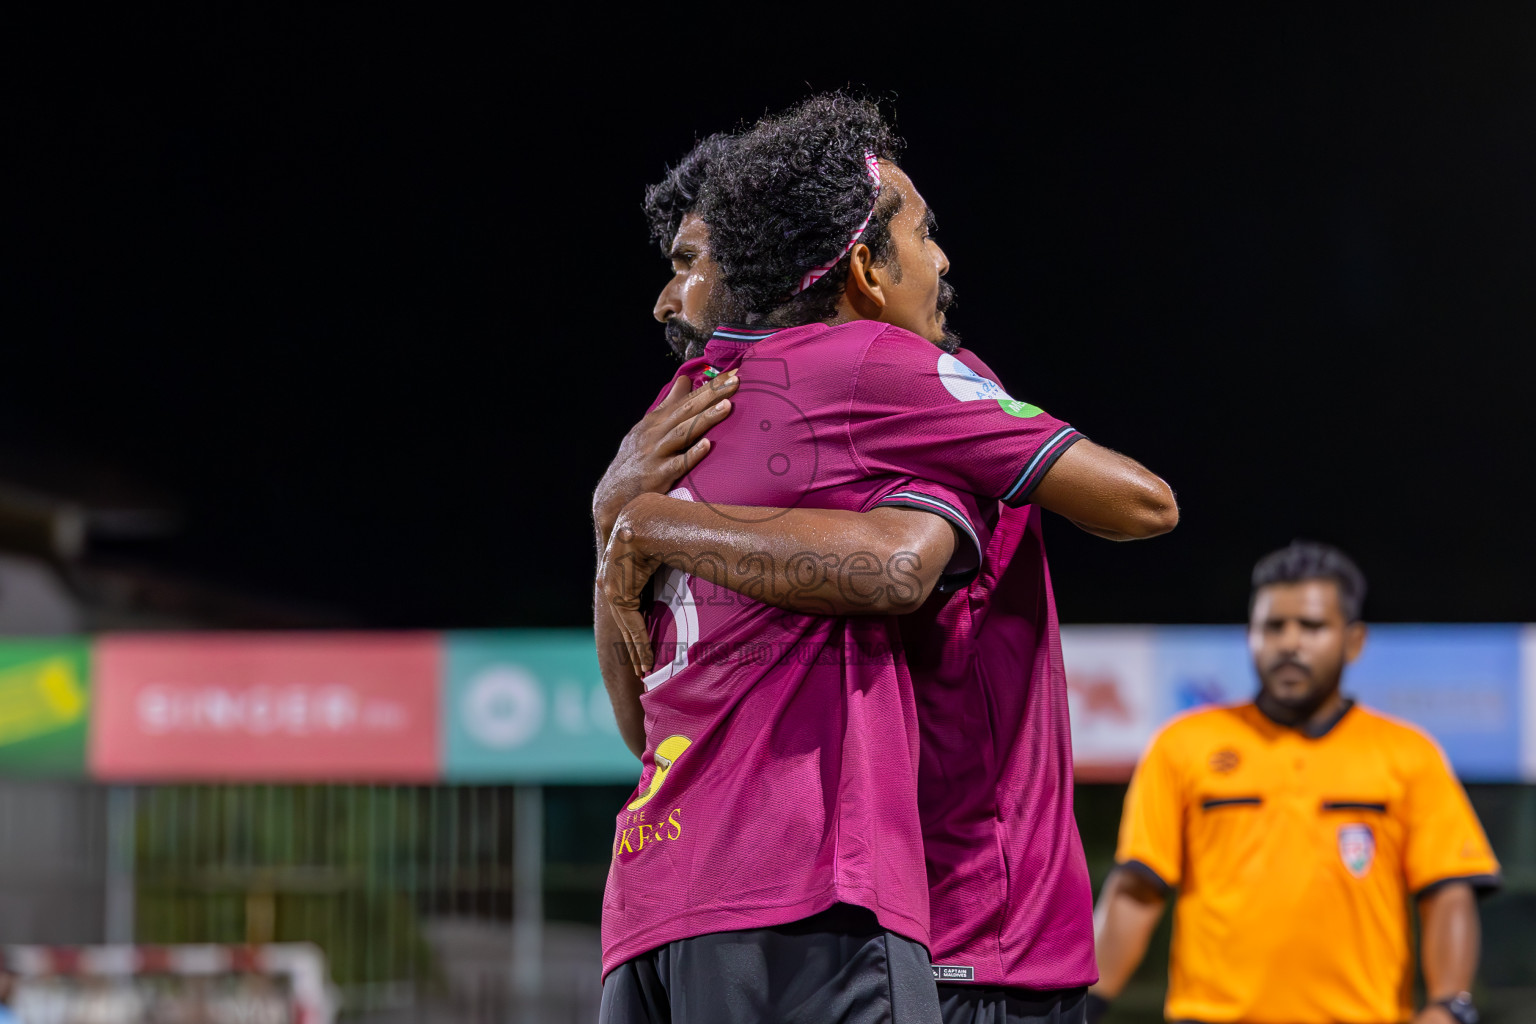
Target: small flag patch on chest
[(1357, 848), (949, 972)]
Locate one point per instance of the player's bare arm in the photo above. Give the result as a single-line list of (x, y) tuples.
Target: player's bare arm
[(1123, 921), (666, 443), (619, 676), (1449, 937), (1108, 494), (663, 446), (816, 561)]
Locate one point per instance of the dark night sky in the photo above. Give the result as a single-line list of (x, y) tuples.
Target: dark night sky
[(371, 294)]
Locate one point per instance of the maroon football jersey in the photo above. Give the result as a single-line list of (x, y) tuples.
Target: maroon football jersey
[(1011, 901), (781, 769)]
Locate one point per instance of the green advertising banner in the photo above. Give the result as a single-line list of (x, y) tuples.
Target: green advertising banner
[(44, 706), (529, 706)]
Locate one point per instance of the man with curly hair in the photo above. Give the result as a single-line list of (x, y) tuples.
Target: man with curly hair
[(691, 305), (814, 231)]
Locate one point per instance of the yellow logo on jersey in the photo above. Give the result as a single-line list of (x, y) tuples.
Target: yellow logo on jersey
[(636, 837), (634, 832), (667, 751)]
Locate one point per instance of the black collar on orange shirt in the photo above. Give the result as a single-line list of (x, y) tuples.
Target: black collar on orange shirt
[(1314, 730)]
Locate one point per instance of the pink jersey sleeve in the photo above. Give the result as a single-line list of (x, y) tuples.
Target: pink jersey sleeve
[(693, 370), (960, 509), (925, 412)]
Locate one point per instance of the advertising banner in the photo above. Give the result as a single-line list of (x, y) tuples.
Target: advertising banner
[(1527, 704), (1200, 665), (529, 706), (1459, 683), (1113, 697), (267, 707), (44, 706)]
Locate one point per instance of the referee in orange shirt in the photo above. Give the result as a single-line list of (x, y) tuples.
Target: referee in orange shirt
[(1293, 829)]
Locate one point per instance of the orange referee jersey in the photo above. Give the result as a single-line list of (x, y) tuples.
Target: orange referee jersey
[(1294, 856)]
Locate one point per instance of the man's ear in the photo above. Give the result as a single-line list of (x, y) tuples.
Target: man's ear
[(864, 291), (1354, 641)]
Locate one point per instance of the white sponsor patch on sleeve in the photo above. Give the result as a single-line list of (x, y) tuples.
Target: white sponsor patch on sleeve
[(965, 383)]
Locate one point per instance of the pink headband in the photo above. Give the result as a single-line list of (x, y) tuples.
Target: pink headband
[(871, 164)]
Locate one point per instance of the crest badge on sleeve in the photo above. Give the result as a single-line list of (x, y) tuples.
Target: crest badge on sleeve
[(1357, 848)]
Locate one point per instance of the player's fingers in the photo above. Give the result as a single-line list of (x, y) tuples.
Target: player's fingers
[(688, 432), (647, 655), (723, 384), (621, 582), (632, 626), (681, 391), (680, 465), (706, 395), (624, 638), (713, 413), (645, 658)]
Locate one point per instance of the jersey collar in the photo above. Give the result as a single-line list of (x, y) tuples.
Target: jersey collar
[(1316, 730), (733, 332)]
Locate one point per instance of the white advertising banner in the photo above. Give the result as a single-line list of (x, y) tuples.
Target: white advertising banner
[(1111, 690)]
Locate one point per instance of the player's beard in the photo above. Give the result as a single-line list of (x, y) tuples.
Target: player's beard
[(685, 340), (950, 342)]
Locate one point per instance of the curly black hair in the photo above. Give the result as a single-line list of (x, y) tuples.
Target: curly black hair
[(669, 200), (788, 195)]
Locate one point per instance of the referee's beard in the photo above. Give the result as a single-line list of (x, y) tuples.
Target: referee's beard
[(1292, 691)]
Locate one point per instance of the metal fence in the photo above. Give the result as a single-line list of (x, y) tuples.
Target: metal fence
[(428, 901), (53, 862), (465, 904)]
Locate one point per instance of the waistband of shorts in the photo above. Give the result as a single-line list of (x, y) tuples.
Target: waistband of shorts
[(1045, 997)]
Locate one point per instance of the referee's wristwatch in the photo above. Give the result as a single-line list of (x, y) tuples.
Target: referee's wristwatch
[(1460, 1006)]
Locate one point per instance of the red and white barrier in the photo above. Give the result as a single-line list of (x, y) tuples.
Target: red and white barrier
[(282, 983)]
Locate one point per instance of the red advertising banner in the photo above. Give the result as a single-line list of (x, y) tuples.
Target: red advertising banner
[(267, 707)]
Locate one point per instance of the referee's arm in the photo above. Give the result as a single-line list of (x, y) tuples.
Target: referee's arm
[(1449, 937), (1148, 856), (1448, 864), (1128, 911)]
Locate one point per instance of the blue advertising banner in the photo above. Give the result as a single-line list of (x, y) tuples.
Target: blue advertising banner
[(1528, 703), (529, 706), (1460, 683), (1199, 665)]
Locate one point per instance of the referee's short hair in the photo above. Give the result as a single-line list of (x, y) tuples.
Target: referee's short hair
[(1309, 560)]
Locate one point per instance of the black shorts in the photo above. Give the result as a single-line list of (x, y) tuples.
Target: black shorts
[(839, 967), (981, 1004)]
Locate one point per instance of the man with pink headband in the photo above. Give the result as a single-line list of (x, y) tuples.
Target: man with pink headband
[(878, 425)]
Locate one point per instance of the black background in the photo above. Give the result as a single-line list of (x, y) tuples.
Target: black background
[(370, 292)]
